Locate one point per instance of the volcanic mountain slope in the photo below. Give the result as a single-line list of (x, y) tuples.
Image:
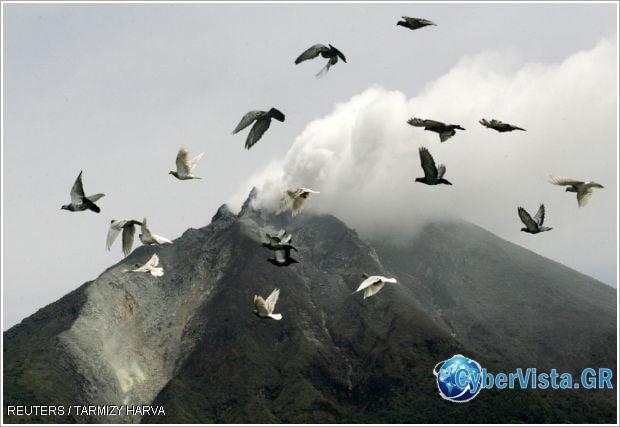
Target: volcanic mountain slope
[(189, 341)]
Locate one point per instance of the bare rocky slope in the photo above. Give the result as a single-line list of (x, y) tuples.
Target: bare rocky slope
[(188, 341)]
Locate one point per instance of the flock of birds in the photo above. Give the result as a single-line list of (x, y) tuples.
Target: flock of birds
[(294, 198)]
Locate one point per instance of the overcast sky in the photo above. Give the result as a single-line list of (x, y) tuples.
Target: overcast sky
[(114, 90)]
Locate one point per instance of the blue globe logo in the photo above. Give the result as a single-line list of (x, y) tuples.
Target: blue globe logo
[(459, 378)]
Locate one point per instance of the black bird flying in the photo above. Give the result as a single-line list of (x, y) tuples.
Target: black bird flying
[(432, 174), (414, 23), (331, 53), (445, 131), (499, 126), (263, 120)]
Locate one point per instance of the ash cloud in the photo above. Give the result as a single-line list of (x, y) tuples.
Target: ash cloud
[(363, 157)]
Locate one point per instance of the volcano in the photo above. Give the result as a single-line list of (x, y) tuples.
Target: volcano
[(188, 341)]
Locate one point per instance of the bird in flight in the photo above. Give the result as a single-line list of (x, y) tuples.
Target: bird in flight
[(499, 126), (129, 230), (583, 189), (295, 197), (263, 120), (148, 238), (535, 225), (151, 266), (373, 284), (281, 240), (185, 165), (331, 53), (445, 131), (264, 308), (432, 174), (414, 23), (79, 202)]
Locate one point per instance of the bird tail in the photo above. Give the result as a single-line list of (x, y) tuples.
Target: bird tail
[(90, 205), (276, 316), (157, 271), (324, 70)]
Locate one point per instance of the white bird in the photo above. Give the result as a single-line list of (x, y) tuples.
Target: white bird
[(185, 165), (129, 230), (583, 189), (296, 197), (79, 201), (373, 284), (151, 266), (264, 308), (148, 238)]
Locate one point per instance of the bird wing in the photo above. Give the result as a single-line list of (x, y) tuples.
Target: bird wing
[(193, 162), (428, 164), (583, 196), (441, 171), (338, 53), (95, 197), (563, 181), (160, 239), (416, 122), (257, 131), (527, 219), (285, 201), (540, 215), (260, 305), (183, 167), (152, 262), (248, 119), (372, 280), (144, 229), (446, 135), (593, 184), (298, 205), (373, 289), (129, 230), (272, 299), (77, 191), (115, 228), (311, 52)]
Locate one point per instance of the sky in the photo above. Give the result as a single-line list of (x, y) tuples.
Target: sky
[(115, 90)]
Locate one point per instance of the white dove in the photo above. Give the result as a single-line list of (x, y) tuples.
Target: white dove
[(151, 266), (583, 189), (148, 238), (296, 197), (264, 308), (373, 284), (185, 165), (129, 230)]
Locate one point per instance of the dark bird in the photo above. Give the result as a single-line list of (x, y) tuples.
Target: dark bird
[(499, 126), (331, 53), (445, 131), (432, 174), (414, 23), (79, 202), (282, 257), (583, 189), (533, 226), (263, 120)]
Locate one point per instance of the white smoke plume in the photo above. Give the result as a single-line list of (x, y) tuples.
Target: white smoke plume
[(363, 156)]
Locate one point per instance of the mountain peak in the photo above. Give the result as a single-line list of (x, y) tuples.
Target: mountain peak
[(248, 205)]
